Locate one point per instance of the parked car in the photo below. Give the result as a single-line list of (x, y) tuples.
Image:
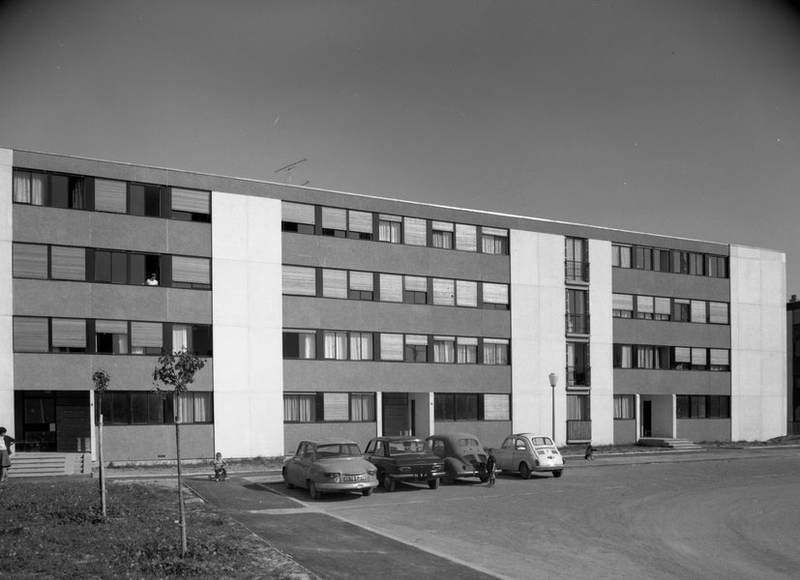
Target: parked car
[(404, 459), (527, 453), (329, 466), (462, 453)]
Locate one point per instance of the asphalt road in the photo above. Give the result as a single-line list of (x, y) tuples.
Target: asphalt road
[(734, 515)]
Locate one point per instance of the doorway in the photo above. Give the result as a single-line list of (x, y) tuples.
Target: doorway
[(52, 421), (647, 418), (398, 414)]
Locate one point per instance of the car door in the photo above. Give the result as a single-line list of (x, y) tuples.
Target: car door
[(522, 452), (297, 468), (505, 455)]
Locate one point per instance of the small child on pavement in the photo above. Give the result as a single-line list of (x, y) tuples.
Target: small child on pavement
[(491, 468), (220, 473)]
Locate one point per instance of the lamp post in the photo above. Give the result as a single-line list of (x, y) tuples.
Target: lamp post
[(553, 382)]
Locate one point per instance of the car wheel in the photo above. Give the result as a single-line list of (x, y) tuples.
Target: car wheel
[(484, 479), (367, 492), (524, 470), (433, 483), (313, 491), (286, 481), (388, 483), (557, 473)]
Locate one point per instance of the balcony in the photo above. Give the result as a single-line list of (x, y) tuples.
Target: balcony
[(576, 272), (579, 431), (577, 323), (579, 377)]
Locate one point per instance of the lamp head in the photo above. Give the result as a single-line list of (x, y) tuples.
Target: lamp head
[(553, 379)]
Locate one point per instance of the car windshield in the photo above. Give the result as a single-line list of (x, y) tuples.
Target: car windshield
[(338, 450), (408, 447), (468, 443)]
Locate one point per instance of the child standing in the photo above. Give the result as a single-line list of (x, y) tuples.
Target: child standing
[(6, 442), (491, 468), (220, 473)]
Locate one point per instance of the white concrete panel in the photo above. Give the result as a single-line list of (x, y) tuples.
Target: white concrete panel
[(538, 346), (601, 342), (6, 290), (247, 318), (758, 344)]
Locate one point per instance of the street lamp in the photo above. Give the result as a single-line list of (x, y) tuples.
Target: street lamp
[(553, 382)]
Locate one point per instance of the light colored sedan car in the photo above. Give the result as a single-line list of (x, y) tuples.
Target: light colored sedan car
[(329, 466), (528, 453)]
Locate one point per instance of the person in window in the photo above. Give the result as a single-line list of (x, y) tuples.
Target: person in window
[(6, 442), (152, 280)]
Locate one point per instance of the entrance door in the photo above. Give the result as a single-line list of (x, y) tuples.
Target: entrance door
[(396, 416), (53, 421), (647, 418)]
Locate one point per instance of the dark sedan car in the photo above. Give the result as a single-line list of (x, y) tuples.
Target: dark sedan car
[(404, 459), (462, 453)]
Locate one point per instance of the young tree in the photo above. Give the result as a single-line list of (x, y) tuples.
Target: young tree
[(101, 381), (176, 371)]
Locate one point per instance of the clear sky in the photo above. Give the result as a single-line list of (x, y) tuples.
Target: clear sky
[(679, 117)]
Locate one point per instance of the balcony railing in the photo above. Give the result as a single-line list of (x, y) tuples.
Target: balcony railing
[(579, 376), (579, 431), (577, 323), (576, 271)]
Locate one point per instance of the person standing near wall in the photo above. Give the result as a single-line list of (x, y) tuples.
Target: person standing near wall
[(5, 454)]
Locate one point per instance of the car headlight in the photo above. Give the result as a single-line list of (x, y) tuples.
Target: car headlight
[(372, 471), (332, 476), (438, 467)]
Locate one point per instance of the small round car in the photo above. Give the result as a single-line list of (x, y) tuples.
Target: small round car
[(404, 459), (329, 466), (527, 453), (462, 453)]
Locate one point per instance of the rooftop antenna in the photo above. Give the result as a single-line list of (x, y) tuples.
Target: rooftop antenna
[(288, 169)]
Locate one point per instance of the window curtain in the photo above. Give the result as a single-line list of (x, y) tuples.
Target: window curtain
[(389, 228), (360, 346), (495, 352), (578, 408), (443, 349), (335, 345), (624, 407), (494, 240), (299, 408), (467, 350), (181, 337), (22, 186), (442, 235), (645, 357), (362, 407)]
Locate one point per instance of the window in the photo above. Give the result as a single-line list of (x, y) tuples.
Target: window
[(455, 406), (299, 408), (495, 351), (415, 290), (415, 232), (663, 309), (620, 256), (444, 292), (698, 311), (442, 235), (334, 283), (188, 272), (496, 407), (681, 311), (361, 346), (145, 200), (191, 205), (111, 336), (195, 338), (68, 263), (30, 261), (299, 281), (699, 359), (110, 196), (624, 407), (31, 334), (703, 407), (622, 305), (577, 260), (391, 347), (466, 350), (145, 408), (360, 225), (719, 359), (646, 357), (578, 408), (389, 228), (135, 408), (680, 262), (195, 407), (623, 356), (52, 190), (697, 264), (391, 289), (643, 258), (718, 313), (466, 293), (334, 222), (681, 358), (494, 241), (578, 369), (361, 286), (110, 267), (147, 337), (444, 349), (68, 335), (466, 238), (362, 407), (299, 344), (30, 187), (335, 345), (297, 217), (577, 312), (416, 348), (661, 261), (645, 307), (336, 407), (495, 296), (717, 266)]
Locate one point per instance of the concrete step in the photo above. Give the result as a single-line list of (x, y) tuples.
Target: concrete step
[(678, 444), (36, 464)]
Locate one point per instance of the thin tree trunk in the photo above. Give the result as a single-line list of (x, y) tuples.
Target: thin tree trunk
[(184, 547), (102, 467)]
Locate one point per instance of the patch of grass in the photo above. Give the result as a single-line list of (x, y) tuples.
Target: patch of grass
[(56, 530)]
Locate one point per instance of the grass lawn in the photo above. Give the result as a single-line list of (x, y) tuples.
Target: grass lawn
[(54, 529)]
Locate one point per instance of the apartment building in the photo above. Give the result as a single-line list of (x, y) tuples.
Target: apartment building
[(330, 314)]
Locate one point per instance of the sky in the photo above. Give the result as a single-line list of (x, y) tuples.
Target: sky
[(674, 117)]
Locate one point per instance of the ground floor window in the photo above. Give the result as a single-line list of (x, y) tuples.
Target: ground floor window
[(471, 407), (149, 408), (703, 407), (624, 406), (331, 407)]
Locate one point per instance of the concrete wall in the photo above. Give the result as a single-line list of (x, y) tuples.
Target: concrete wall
[(248, 338), (538, 345), (6, 300), (758, 343), (601, 342), (294, 433)]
